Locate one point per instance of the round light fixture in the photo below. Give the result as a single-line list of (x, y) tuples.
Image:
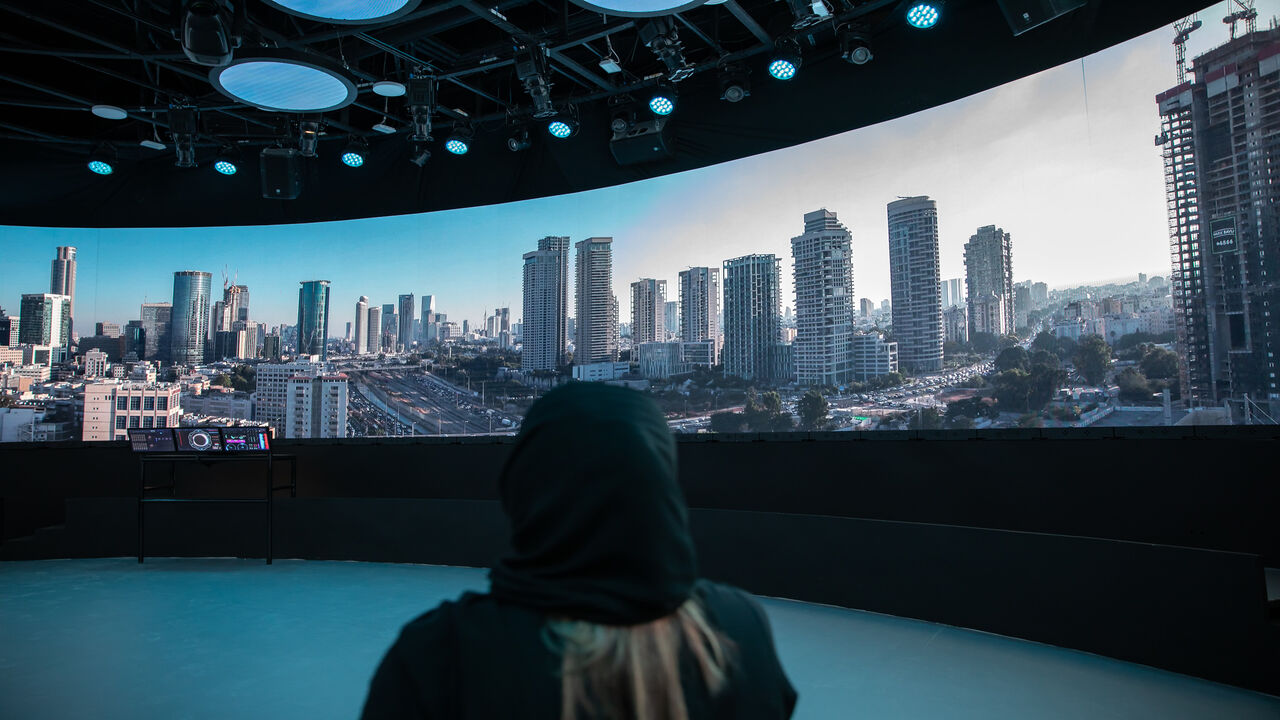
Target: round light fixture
[(785, 61), (109, 112), (561, 129), (662, 101), (924, 15), (102, 161), (283, 81), (226, 167), (518, 139), (638, 8), (346, 12), (388, 88), (228, 161), (459, 141), (734, 83), (356, 152)]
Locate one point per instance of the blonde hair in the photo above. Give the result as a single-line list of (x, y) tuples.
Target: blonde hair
[(632, 672)]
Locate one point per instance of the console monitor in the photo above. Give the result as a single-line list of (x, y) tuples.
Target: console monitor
[(245, 439), (201, 440), (152, 440)]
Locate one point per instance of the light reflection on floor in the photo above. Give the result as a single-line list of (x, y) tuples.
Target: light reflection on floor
[(222, 638)]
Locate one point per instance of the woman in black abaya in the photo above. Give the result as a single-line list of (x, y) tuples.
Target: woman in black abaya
[(598, 611)]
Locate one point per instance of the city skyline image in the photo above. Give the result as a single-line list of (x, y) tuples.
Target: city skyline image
[(1063, 161)]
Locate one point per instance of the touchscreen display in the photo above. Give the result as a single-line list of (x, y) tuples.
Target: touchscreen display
[(199, 440), (152, 440), (236, 439)]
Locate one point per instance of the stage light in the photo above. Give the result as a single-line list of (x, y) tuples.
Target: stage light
[(785, 61), (228, 161), (808, 12), (109, 112), (206, 32), (531, 70), (388, 88), (562, 128), (662, 101), (734, 85), (285, 81), (459, 141), (422, 102), (308, 137), (641, 8), (854, 46), (924, 15), (519, 139), (356, 152), (102, 161), (346, 12), (420, 154), (660, 36)]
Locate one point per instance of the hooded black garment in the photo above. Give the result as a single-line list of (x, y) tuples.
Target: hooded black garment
[(599, 532)]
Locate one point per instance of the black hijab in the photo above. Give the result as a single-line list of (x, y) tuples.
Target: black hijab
[(599, 527)]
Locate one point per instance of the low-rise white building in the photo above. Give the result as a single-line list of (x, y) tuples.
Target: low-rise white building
[(111, 407), (316, 407), (872, 356)]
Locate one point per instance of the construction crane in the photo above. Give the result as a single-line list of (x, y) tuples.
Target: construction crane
[(1184, 28), (1247, 13)]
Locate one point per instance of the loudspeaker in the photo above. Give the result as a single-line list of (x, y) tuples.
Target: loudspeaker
[(1024, 15), (641, 143), (281, 173)]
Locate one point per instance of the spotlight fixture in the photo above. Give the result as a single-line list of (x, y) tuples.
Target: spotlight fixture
[(183, 126), (207, 38), (641, 8), (422, 102), (459, 141), (102, 161), (660, 36), (734, 84), (388, 88), (356, 152), (565, 125), (785, 61), (624, 113), (346, 12), (285, 81), (531, 69), (109, 112), (228, 161), (420, 154), (662, 101), (854, 46), (808, 12), (519, 139), (924, 14), (308, 137)]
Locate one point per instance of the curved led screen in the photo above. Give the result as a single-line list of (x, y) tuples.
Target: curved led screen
[(1001, 261)]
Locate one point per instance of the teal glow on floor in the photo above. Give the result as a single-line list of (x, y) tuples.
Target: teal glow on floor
[(221, 638)]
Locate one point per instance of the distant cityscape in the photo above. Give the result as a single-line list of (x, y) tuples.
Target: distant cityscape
[(721, 349)]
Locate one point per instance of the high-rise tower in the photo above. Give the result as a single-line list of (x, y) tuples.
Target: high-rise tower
[(752, 316), (700, 306), (597, 308), (988, 269), (823, 275), (360, 329), (405, 330), (1222, 182), (546, 305), (913, 278), (189, 324), (62, 281), (648, 311), (313, 318)]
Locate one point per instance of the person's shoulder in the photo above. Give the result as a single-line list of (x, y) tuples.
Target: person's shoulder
[(436, 624), (733, 609)]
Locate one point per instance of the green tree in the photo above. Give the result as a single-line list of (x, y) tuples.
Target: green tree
[(1030, 420), (813, 410), (1092, 359), (925, 419), (7, 401), (1044, 381), (961, 422), (1012, 388), (983, 343), (1133, 385), (1012, 358), (1045, 341), (971, 408), (727, 422), (1066, 348), (783, 422), (1159, 363), (222, 380)]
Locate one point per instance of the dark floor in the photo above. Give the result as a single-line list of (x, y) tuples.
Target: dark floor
[(222, 638)]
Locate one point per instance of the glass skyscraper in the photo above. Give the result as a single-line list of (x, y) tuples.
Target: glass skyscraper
[(914, 279), (313, 318), (189, 322)]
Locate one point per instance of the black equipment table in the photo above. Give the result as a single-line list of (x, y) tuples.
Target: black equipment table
[(210, 458)]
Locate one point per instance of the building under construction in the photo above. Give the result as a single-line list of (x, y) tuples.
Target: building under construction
[(1220, 135)]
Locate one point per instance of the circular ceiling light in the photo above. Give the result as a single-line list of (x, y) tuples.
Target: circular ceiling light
[(102, 161), (388, 88), (346, 12), (284, 82), (226, 167), (662, 101), (109, 112), (638, 8), (562, 129), (355, 153), (924, 15)]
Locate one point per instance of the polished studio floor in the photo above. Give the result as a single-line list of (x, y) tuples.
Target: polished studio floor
[(222, 638)]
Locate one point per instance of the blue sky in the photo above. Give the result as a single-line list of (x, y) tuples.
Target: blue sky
[(1063, 160)]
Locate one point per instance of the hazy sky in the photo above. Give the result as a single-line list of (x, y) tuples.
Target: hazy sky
[(1063, 160)]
